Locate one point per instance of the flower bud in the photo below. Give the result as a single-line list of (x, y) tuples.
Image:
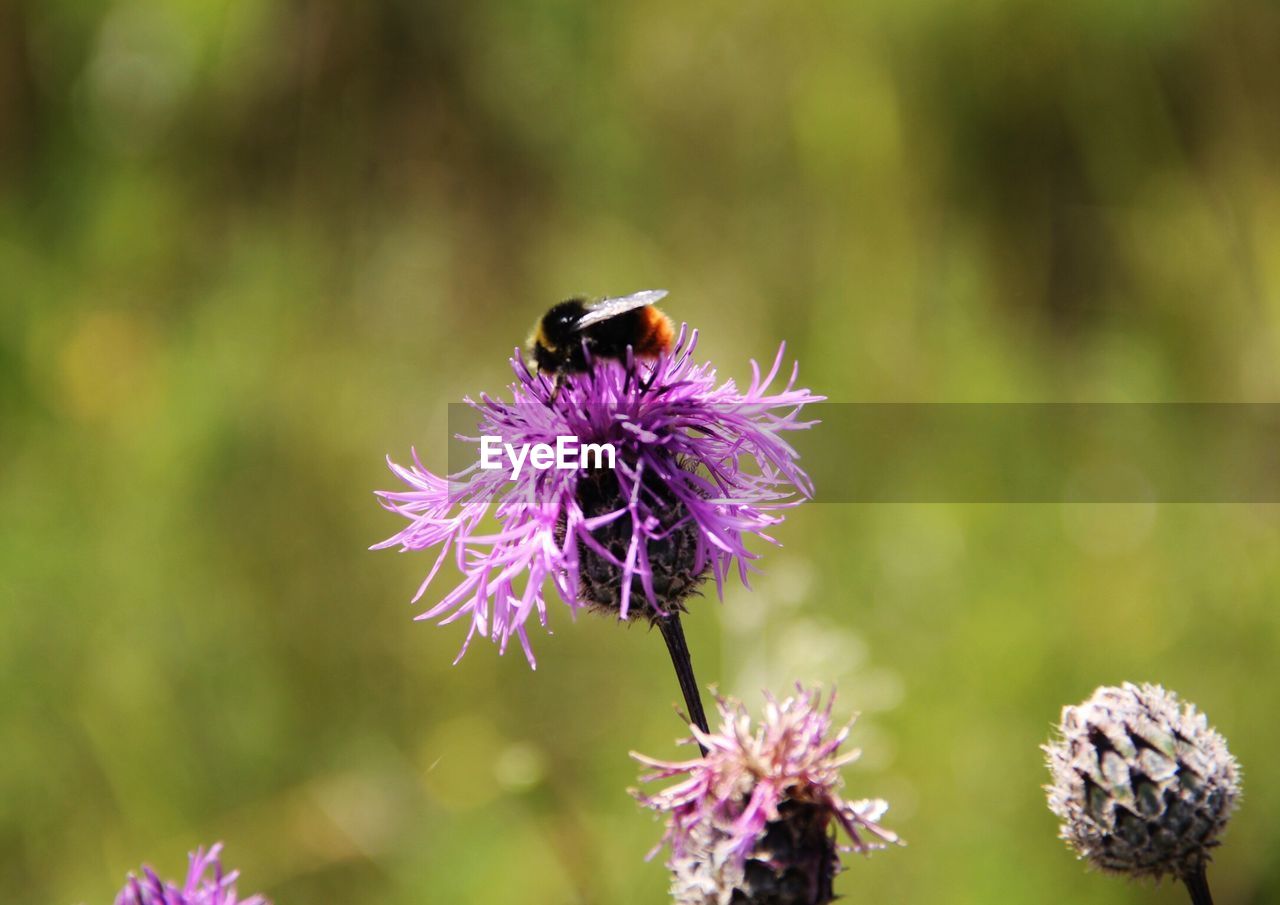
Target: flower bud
[(1141, 783)]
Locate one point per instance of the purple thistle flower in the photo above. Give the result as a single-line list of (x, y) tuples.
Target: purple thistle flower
[(755, 815), (216, 888), (700, 468)]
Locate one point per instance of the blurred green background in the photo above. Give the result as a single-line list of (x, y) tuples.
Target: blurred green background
[(248, 248)]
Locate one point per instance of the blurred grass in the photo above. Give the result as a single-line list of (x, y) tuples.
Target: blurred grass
[(248, 248)]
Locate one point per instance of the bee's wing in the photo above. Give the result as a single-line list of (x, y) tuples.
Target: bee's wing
[(607, 308)]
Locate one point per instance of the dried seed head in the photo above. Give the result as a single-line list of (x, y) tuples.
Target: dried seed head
[(1141, 783)]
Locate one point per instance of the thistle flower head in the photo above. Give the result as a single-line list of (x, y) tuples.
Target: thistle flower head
[(1141, 783), (206, 884), (753, 820), (699, 468)]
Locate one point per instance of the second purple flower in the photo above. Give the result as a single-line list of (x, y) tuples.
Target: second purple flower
[(752, 821)]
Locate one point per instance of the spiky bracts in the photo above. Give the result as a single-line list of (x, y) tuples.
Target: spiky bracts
[(1142, 784)]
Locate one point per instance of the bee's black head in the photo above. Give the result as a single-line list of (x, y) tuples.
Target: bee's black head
[(558, 323)]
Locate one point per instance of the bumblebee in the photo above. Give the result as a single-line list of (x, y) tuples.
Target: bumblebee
[(576, 331)]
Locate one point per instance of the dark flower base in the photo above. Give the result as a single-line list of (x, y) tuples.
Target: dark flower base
[(672, 559), (794, 864)]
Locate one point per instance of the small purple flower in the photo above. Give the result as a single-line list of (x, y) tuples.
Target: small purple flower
[(756, 813), (699, 468), (206, 884)]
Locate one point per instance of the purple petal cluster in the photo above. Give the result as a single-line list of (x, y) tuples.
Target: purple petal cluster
[(750, 775), (697, 460), (206, 884)]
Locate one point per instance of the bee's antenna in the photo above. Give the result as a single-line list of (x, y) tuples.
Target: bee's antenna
[(648, 381)]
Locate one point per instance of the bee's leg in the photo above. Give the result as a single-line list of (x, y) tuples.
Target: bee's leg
[(555, 389), (633, 369), (648, 381)]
